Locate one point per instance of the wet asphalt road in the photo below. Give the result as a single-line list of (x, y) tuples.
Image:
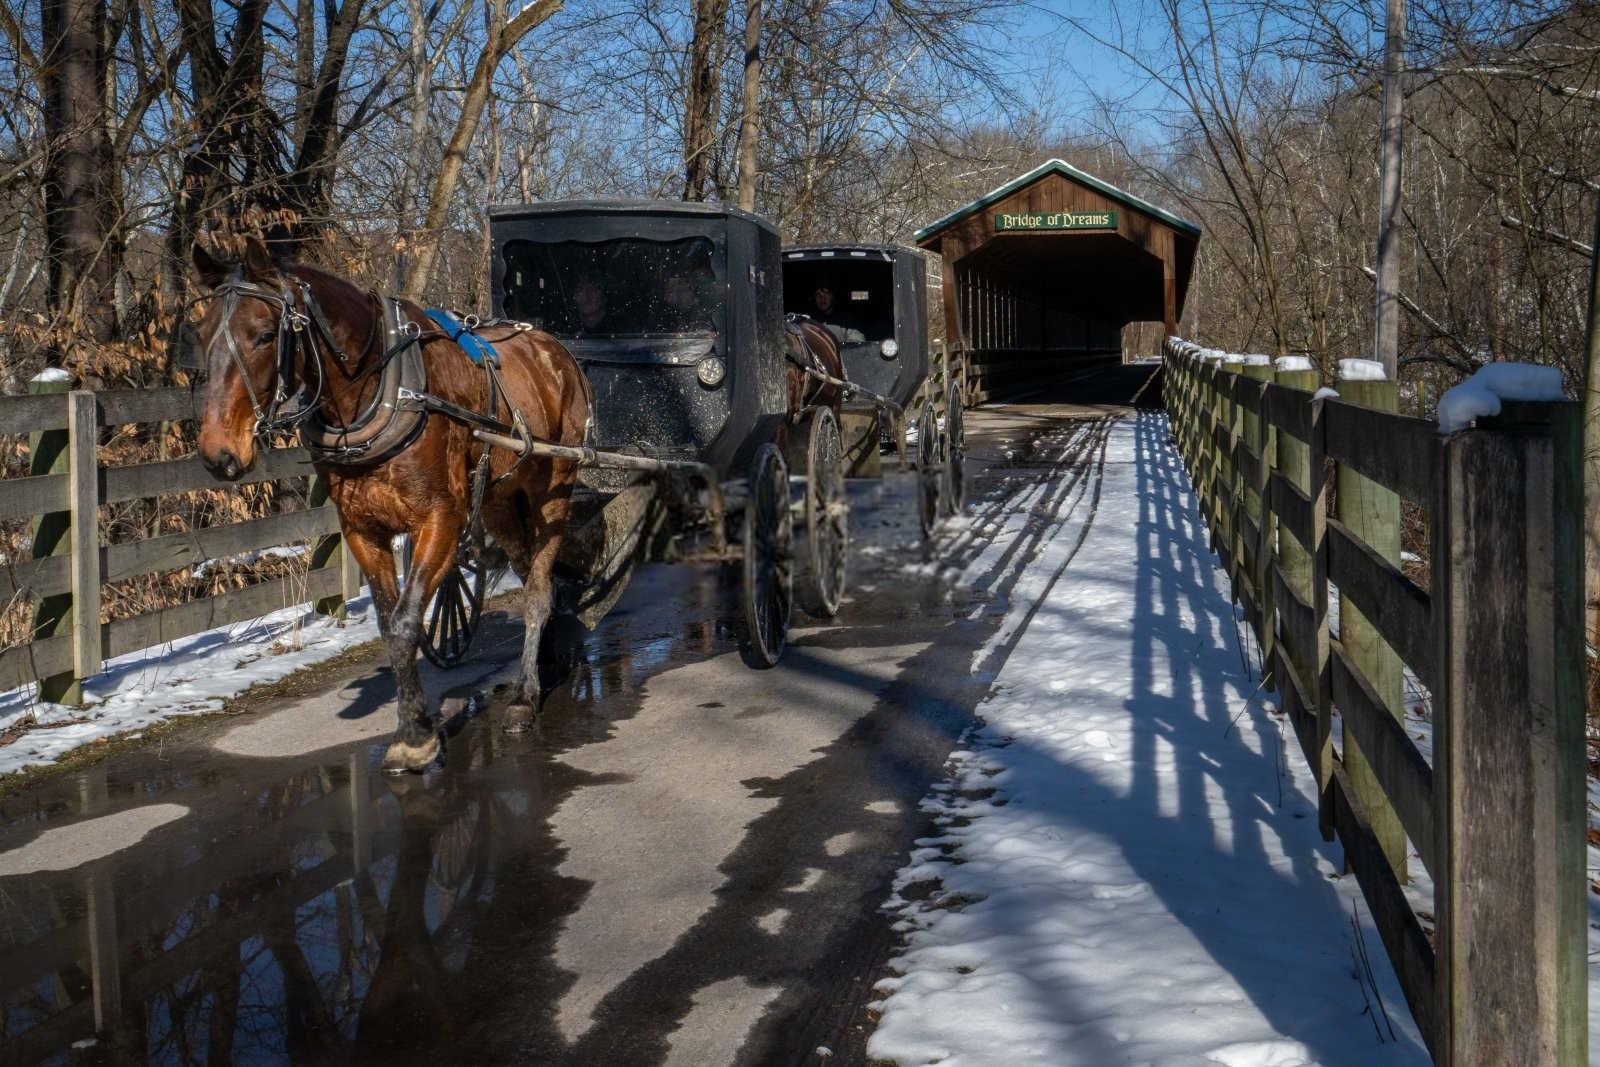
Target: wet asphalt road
[(682, 865)]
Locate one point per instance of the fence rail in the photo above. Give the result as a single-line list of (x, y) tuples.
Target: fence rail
[(1303, 494), (62, 496)]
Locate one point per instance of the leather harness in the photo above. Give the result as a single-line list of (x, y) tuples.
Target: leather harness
[(398, 411)]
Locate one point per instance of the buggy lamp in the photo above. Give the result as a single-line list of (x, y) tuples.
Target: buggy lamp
[(710, 371), (890, 348)]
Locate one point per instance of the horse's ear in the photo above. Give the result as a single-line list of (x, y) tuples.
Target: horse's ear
[(212, 270), (258, 265)]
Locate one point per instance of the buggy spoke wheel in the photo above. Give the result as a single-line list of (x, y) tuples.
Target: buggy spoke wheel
[(929, 470), (954, 488), (457, 606), (768, 560), (825, 519)]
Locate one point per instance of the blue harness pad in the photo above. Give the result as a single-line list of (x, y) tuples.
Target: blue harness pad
[(476, 348)]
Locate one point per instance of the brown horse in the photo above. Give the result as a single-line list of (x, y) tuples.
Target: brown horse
[(273, 328), (812, 345)]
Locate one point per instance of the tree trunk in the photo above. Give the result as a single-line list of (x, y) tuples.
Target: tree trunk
[(700, 109), (411, 175), (78, 172), (310, 186), (225, 124), (1386, 321), (1591, 466), (750, 117), (503, 36)]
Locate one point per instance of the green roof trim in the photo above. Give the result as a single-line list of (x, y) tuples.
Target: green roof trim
[(1066, 170)]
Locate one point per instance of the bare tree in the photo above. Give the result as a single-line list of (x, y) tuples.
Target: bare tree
[(501, 36), (750, 105), (78, 169)]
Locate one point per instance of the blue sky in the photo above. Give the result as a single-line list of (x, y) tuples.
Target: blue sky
[(1052, 62)]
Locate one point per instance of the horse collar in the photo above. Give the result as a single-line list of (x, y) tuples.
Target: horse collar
[(394, 418)]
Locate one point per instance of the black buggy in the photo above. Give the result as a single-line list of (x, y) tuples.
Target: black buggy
[(873, 299), (702, 404), (674, 311)]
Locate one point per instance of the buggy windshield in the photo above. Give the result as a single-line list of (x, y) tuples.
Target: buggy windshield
[(621, 288)]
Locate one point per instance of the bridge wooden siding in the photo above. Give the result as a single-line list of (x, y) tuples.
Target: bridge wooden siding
[(1498, 816), (62, 498)]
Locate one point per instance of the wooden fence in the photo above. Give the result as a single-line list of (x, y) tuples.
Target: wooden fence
[(1497, 814), (945, 364), (61, 497)]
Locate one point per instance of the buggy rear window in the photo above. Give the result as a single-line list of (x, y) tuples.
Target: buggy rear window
[(627, 287)]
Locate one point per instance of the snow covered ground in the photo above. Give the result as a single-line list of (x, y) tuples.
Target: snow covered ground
[(1128, 868), (185, 677)]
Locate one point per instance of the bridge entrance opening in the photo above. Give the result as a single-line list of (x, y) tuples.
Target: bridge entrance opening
[(1042, 276)]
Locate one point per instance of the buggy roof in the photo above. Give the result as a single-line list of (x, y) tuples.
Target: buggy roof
[(821, 251), (621, 207)]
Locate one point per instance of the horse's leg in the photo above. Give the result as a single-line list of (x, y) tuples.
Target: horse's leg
[(537, 589), (544, 537), (416, 742), (375, 557)]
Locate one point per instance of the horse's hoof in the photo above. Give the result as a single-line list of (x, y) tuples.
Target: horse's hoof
[(404, 757), (519, 718)]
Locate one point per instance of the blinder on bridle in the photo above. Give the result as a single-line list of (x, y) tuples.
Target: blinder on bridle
[(189, 355)]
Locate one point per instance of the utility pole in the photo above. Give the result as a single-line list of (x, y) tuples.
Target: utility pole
[(1386, 320)]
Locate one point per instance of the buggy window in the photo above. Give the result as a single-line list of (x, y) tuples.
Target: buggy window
[(626, 287), (860, 294)]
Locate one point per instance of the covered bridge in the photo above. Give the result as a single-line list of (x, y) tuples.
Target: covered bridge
[(1041, 276)]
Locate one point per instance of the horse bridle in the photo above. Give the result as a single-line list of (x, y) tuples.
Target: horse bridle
[(292, 327)]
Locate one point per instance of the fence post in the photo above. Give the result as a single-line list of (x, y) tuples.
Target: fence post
[(1228, 471), (48, 453), (1259, 436), (1213, 458), (1372, 514), (1304, 571), (84, 479), (1509, 767)]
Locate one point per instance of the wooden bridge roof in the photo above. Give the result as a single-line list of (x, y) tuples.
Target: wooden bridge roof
[(1085, 244)]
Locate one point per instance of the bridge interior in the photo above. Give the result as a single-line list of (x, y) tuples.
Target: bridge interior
[(1041, 276)]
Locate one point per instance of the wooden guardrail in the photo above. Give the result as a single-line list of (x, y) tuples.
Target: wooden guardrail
[(1497, 815), (61, 497), (946, 363)]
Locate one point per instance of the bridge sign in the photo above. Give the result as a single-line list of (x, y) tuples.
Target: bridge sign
[(1055, 220)]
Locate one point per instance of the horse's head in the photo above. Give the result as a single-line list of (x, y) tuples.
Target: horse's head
[(243, 349)]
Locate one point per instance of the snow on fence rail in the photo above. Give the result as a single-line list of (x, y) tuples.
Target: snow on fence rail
[(62, 497), (1498, 816)]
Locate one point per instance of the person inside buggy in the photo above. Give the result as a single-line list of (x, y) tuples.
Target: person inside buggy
[(629, 287), (854, 301)]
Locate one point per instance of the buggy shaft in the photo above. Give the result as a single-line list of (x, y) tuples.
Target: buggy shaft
[(850, 389), (585, 456)]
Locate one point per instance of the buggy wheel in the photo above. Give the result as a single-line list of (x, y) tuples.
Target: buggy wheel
[(954, 489), (452, 616), (825, 517), (768, 560), (930, 471)]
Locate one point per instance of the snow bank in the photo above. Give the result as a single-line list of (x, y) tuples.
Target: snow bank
[(1127, 867), (1256, 361), (52, 374), (189, 676), (1294, 363), (1361, 370), (1480, 395), (1325, 393)]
